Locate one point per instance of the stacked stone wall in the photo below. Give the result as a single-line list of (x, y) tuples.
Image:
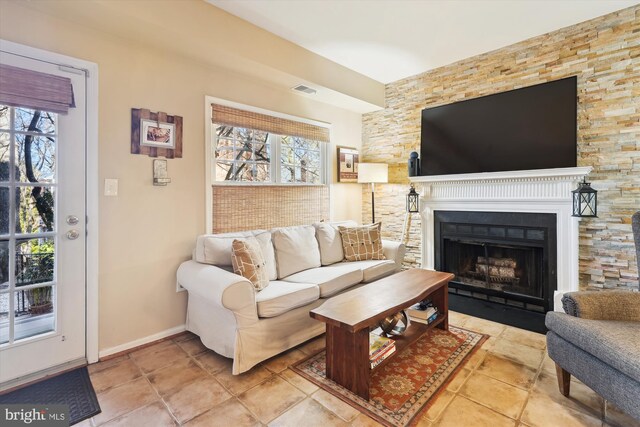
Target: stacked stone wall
[(604, 54)]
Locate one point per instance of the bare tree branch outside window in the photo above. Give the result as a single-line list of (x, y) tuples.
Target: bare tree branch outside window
[(246, 155)]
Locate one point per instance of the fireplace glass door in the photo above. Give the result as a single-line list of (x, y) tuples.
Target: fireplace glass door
[(504, 269)]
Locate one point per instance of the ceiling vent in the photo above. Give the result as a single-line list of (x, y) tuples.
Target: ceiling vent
[(305, 89)]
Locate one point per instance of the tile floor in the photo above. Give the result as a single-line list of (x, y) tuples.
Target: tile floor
[(510, 381)]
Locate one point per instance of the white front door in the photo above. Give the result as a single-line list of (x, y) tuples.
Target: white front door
[(42, 232)]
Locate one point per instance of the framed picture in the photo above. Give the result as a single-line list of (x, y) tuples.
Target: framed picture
[(157, 134), (348, 159)]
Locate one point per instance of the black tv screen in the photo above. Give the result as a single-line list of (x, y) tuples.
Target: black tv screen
[(529, 128)]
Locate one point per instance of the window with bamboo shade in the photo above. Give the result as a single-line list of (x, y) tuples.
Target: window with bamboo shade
[(267, 171)]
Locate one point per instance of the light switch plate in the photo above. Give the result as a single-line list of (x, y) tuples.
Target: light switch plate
[(110, 187)]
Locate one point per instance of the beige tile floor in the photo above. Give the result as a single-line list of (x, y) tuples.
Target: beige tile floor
[(510, 381)]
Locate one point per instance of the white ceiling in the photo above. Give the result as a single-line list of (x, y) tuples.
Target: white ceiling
[(388, 40)]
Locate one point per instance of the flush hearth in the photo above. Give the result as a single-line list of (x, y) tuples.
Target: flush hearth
[(504, 264)]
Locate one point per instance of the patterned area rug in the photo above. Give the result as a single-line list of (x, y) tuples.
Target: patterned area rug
[(402, 389)]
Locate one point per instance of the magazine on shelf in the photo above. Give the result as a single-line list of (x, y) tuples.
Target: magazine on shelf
[(382, 357), (377, 344), (383, 353)]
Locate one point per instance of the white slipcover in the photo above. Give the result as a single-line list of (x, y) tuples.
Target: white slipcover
[(331, 279), (230, 317), (330, 241), (280, 297), (296, 249)]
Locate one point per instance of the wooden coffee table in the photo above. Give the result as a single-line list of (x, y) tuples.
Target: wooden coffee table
[(350, 315)]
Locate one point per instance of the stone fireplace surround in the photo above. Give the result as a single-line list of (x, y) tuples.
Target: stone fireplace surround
[(533, 191)]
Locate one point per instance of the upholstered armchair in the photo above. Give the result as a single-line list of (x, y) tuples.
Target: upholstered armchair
[(598, 342)]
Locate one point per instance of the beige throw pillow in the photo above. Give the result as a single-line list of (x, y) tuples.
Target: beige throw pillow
[(248, 262), (330, 241), (362, 243), (296, 249), (215, 249)]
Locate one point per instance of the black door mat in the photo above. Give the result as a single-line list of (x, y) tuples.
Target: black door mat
[(71, 388)]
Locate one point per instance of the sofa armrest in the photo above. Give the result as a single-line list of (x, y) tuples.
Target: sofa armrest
[(219, 287), (603, 305), (394, 251)]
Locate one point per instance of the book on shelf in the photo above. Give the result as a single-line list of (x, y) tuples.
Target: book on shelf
[(430, 319), (378, 344), (420, 311), (383, 356)]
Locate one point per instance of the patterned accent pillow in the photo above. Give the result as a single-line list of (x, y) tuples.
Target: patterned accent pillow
[(362, 243), (248, 262)]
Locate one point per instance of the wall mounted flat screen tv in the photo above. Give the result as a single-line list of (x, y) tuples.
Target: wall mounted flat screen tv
[(529, 128)]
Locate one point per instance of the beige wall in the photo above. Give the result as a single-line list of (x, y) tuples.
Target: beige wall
[(146, 231), (604, 54)]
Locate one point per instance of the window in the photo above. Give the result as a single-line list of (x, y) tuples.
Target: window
[(242, 154), (301, 160), (251, 147)]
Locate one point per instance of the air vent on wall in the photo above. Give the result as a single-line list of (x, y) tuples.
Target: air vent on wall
[(305, 89)]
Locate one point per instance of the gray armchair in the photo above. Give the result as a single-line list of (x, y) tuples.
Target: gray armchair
[(598, 342)]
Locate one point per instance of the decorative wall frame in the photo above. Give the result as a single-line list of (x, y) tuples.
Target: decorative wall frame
[(156, 134), (348, 159)]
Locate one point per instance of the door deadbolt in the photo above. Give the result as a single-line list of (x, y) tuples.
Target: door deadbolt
[(72, 220), (73, 234)]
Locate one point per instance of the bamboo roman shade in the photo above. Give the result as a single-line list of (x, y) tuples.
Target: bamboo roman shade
[(234, 117), (32, 89)]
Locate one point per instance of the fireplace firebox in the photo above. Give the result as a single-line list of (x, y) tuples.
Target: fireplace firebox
[(504, 264)]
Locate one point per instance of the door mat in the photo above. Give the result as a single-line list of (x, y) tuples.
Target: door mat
[(403, 389), (71, 388)]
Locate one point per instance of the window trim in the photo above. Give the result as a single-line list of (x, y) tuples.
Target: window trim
[(209, 160)]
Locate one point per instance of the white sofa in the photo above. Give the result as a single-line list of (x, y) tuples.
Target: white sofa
[(306, 267)]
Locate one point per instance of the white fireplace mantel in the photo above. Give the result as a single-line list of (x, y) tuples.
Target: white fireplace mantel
[(533, 191)]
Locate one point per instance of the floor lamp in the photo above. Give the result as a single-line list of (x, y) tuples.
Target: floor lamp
[(372, 173)]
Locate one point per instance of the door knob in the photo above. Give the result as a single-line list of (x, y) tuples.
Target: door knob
[(73, 234)]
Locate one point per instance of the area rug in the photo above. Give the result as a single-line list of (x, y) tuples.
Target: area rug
[(402, 389), (72, 388)]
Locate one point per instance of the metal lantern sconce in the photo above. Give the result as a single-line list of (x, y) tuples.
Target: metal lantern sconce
[(413, 200), (585, 200)]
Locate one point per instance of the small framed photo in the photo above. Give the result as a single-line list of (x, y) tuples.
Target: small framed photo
[(348, 159), (157, 134)]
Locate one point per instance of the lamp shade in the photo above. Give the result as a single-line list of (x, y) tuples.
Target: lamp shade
[(373, 173)]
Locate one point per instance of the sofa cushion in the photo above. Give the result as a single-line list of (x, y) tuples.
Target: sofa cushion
[(248, 262), (375, 269), (296, 249), (362, 243), (331, 279), (330, 241), (614, 342), (215, 249), (280, 297)]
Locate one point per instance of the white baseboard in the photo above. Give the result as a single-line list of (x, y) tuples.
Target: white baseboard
[(141, 341)]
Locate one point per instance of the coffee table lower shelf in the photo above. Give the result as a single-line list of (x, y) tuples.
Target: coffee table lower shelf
[(347, 354), (413, 333), (350, 316)]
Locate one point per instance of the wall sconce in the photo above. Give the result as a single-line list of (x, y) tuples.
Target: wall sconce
[(585, 200), (160, 174), (413, 206), (413, 200)]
